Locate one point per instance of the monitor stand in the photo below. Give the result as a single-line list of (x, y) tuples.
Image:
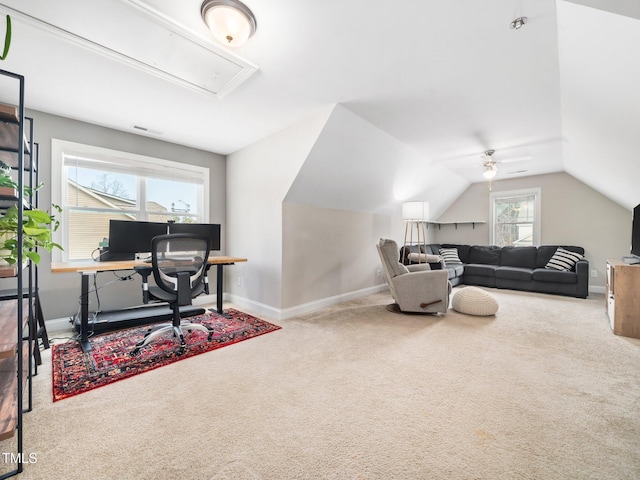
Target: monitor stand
[(631, 260)]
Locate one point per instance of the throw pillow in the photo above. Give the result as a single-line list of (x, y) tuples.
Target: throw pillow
[(563, 260), (423, 257), (450, 256)]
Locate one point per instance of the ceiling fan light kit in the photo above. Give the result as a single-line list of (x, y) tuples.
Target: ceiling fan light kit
[(231, 21), (490, 172), (490, 168)]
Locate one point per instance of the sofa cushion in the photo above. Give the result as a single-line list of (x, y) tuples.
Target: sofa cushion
[(480, 270), (484, 255), (450, 256), (545, 252), (555, 276), (455, 270), (563, 260), (514, 273), (522, 257)]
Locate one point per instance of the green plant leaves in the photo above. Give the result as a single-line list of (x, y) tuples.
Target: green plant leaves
[(7, 39), (37, 226)]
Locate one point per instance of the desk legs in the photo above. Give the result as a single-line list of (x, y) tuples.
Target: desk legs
[(219, 287), (84, 303), (84, 313)]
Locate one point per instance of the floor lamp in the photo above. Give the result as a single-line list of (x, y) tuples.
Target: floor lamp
[(415, 216)]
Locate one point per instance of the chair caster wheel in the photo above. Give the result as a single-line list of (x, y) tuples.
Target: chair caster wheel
[(135, 352), (210, 337)]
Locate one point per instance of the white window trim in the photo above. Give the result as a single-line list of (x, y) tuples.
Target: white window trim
[(62, 148), (537, 216)]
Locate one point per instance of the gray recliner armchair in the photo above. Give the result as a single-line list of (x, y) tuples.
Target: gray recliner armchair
[(415, 288)]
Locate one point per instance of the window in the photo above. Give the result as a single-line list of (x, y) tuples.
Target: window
[(98, 185), (515, 217)]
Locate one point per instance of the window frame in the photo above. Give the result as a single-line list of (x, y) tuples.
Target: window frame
[(525, 192), (140, 165)]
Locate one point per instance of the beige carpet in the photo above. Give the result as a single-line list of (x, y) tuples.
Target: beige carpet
[(543, 390)]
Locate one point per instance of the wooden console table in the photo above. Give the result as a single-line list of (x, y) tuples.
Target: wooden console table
[(623, 298), (90, 267)]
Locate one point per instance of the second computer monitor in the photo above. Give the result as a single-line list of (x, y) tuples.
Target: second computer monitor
[(130, 237), (209, 230)]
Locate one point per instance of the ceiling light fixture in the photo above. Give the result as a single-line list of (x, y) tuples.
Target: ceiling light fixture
[(230, 21), (490, 172), (490, 168), (518, 23)]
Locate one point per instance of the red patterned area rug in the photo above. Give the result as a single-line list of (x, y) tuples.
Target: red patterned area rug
[(109, 360)]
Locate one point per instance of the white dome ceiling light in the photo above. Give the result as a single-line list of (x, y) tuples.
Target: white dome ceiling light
[(231, 21)]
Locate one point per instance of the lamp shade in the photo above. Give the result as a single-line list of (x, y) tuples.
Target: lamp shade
[(230, 21), (415, 211)]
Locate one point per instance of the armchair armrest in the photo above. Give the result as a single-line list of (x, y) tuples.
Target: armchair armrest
[(423, 291), (419, 267)]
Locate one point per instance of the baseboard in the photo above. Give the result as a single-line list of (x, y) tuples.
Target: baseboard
[(281, 314), (597, 289)]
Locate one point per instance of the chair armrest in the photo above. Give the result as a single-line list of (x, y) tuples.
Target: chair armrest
[(419, 267), (205, 278)]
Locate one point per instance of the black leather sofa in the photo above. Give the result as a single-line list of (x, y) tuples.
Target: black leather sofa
[(515, 268)]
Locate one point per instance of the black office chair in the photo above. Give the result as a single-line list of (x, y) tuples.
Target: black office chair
[(179, 266)]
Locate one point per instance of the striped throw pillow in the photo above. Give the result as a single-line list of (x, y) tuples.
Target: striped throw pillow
[(450, 256), (563, 260)]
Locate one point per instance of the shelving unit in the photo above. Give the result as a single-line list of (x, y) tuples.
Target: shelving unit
[(473, 223), (17, 334)]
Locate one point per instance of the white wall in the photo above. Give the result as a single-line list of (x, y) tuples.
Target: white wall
[(258, 178), (356, 166), (599, 78)]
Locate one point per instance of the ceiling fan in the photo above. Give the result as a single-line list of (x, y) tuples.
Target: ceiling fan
[(490, 164)]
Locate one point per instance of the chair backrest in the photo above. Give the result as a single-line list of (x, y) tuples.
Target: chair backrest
[(179, 264), (388, 251)]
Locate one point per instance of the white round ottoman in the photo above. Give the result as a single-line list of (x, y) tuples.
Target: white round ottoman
[(474, 301)]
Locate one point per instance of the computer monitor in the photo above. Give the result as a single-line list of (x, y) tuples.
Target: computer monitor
[(209, 230), (126, 238)]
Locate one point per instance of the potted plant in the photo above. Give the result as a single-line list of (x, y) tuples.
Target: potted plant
[(37, 226)]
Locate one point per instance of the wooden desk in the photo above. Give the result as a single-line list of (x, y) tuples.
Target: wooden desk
[(89, 267)]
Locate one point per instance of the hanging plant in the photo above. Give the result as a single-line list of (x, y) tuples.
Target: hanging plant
[(7, 39)]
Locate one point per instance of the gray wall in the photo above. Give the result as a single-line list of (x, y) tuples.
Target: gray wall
[(572, 214), (59, 293)]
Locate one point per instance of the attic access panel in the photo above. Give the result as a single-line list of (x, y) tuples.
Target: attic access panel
[(135, 34)]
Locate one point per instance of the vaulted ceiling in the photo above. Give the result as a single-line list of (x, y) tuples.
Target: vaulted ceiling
[(448, 79)]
